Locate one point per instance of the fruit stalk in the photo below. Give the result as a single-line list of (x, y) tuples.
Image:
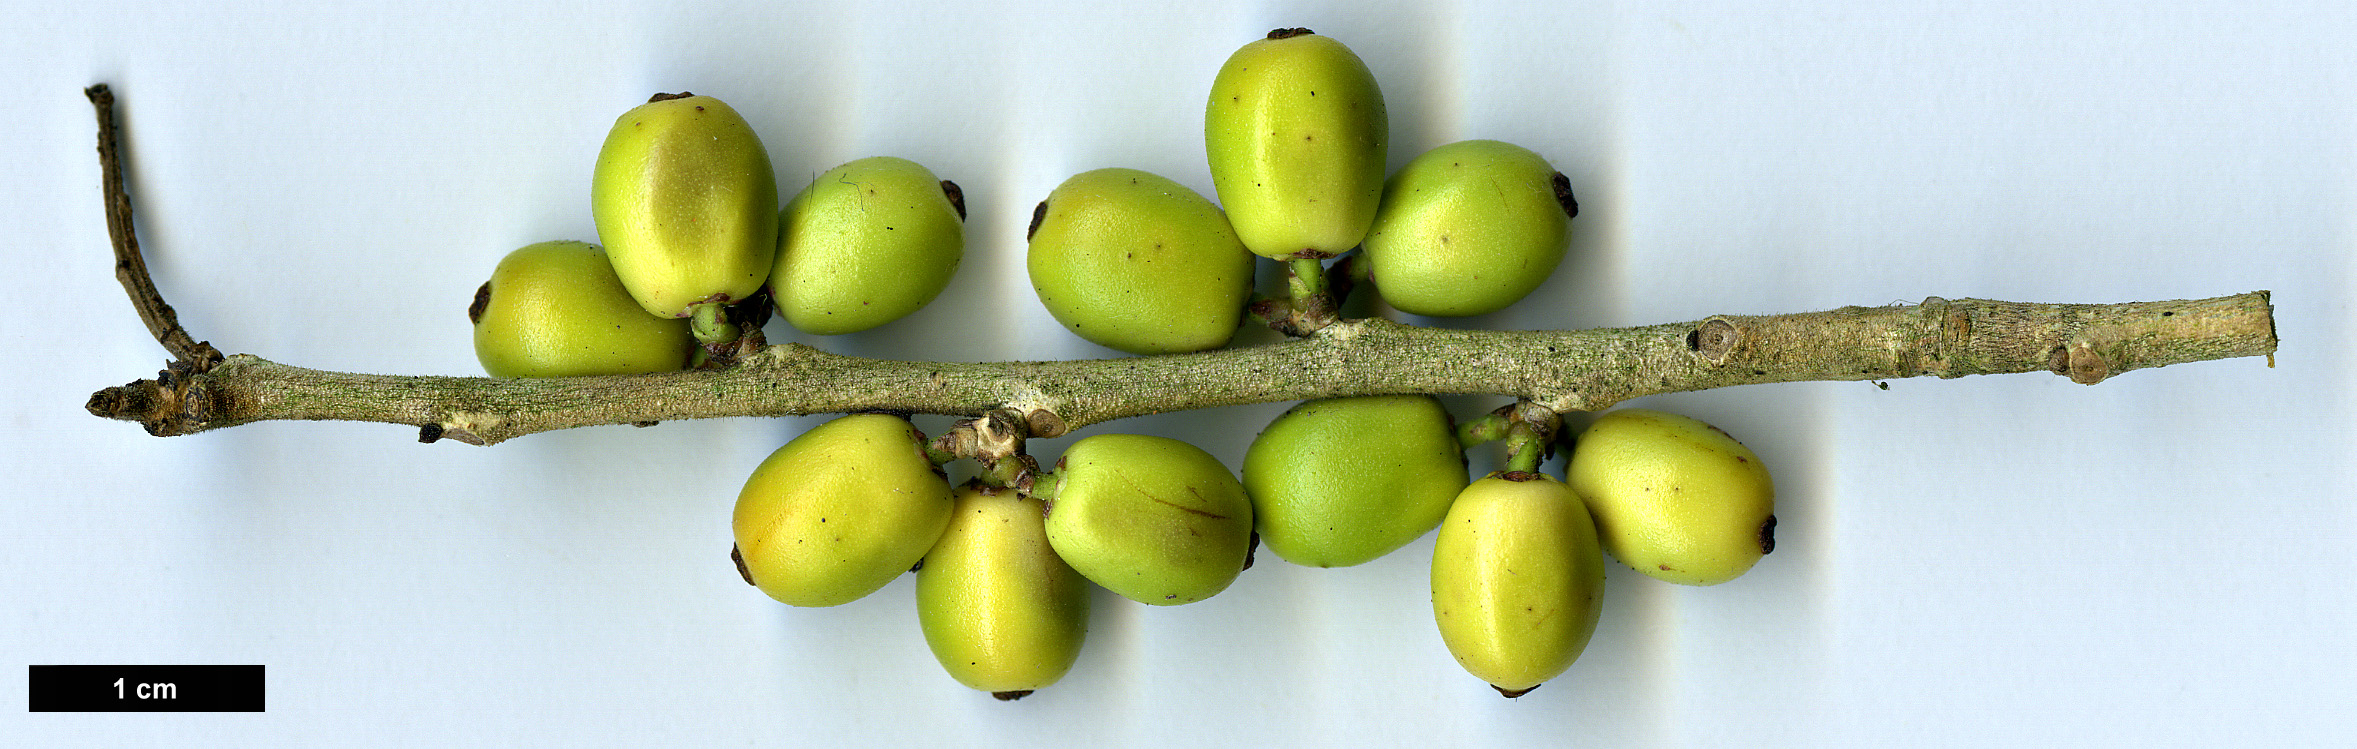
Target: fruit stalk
[(130, 265), (995, 440), (1577, 370), (1530, 435)]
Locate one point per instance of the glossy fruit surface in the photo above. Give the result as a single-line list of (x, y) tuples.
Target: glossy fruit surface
[(865, 244), (1000, 610), (840, 511), (1673, 497), (1136, 262), (686, 204), (1517, 580), (1296, 133), (1467, 229), (555, 309), (1154, 519), (1342, 481)]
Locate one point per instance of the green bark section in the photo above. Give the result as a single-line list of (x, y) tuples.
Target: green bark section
[(1583, 370)]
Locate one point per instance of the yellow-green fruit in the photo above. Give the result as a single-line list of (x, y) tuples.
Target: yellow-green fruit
[(865, 244), (1154, 519), (1136, 262), (686, 204), (1469, 228), (555, 309), (1295, 130), (1517, 580), (1002, 613), (840, 511), (1343, 481), (1673, 497)]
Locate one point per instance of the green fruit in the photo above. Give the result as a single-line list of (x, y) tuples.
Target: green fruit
[(1517, 580), (865, 244), (686, 204), (1295, 130), (1001, 612), (840, 511), (1343, 481), (555, 309), (1469, 228), (1673, 497), (1154, 519), (1136, 262)]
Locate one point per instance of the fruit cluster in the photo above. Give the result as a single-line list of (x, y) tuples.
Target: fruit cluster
[(698, 252), (697, 249)]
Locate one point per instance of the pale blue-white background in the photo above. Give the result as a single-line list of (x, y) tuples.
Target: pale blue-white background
[(2165, 558)]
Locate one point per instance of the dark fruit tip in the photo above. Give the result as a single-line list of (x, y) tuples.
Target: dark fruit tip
[(1563, 196), (1038, 212), (669, 97), (1289, 33), (957, 197), (1768, 535), (737, 555), (1011, 696), (474, 312), (1513, 693)]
